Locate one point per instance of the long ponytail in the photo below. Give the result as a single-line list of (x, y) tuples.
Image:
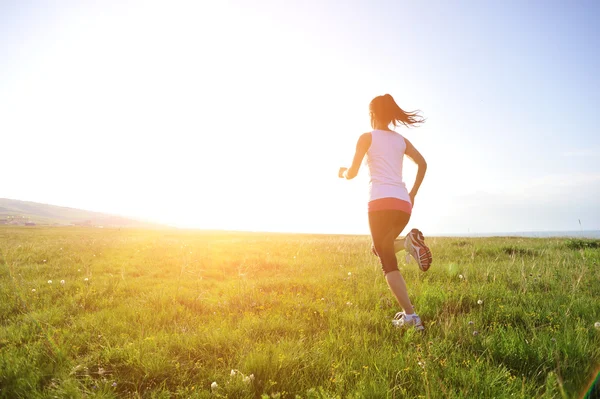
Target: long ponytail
[(385, 110)]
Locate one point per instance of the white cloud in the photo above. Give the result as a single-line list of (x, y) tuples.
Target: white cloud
[(583, 152), (552, 202)]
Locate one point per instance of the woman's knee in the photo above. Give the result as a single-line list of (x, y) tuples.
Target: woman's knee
[(387, 257), (389, 266)]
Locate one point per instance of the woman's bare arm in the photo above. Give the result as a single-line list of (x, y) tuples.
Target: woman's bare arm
[(362, 146), (417, 158)]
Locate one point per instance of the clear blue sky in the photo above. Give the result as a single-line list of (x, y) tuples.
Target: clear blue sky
[(238, 114)]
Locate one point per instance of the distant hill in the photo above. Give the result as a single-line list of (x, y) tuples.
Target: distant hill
[(15, 212)]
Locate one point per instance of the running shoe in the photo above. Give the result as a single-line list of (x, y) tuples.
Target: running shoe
[(414, 243), (402, 320)]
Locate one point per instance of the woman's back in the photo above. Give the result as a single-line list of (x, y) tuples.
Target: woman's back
[(385, 159)]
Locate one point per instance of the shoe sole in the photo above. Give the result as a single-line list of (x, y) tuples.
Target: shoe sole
[(422, 253)]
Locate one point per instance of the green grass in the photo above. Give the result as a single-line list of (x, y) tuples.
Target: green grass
[(164, 314)]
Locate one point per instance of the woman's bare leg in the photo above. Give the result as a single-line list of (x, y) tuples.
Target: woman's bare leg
[(398, 287), (399, 245), (384, 230)]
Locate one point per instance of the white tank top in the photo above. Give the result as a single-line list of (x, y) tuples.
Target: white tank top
[(384, 159)]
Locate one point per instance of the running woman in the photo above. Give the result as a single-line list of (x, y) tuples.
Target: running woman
[(390, 203)]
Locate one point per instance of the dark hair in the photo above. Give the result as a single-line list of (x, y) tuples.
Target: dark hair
[(385, 110)]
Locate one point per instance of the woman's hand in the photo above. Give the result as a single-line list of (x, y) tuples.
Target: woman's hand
[(341, 172)]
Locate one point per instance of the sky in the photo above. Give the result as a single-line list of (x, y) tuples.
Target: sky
[(238, 114)]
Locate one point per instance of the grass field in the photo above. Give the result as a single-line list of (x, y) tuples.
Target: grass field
[(162, 314)]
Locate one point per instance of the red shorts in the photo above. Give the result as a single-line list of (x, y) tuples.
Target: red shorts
[(390, 204)]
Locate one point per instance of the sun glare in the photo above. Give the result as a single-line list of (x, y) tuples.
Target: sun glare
[(219, 117)]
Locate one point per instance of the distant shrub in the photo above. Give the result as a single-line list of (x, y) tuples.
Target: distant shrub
[(582, 244), (513, 251), (461, 243)]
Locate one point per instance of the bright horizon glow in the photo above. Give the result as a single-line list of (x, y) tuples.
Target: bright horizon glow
[(222, 115)]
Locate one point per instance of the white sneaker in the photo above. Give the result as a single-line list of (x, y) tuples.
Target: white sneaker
[(414, 243), (401, 320)]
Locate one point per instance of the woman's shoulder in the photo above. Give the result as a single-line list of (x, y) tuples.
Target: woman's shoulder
[(365, 140)]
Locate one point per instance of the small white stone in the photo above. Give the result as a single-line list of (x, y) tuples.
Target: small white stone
[(33, 290), (480, 302), (49, 281), (62, 282), (597, 324), (214, 385)]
